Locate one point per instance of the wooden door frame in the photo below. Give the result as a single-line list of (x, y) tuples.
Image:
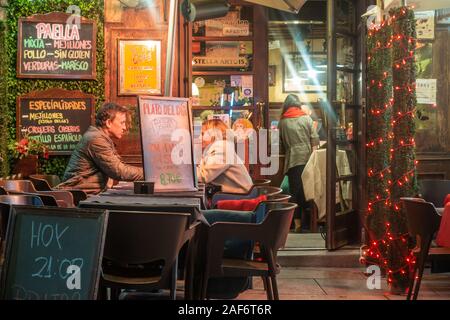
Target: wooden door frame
[(345, 228)]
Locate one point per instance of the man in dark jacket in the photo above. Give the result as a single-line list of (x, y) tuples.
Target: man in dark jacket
[(95, 161)]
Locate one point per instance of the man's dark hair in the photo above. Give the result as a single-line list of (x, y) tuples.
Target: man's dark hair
[(108, 111)]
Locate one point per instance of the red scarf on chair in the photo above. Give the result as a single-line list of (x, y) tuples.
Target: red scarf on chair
[(242, 204), (293, 112)]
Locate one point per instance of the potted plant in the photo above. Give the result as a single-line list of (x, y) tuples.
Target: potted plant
[(28, 154)]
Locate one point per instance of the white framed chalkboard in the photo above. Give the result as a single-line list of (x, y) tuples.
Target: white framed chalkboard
[(53, 253), (166, 138)]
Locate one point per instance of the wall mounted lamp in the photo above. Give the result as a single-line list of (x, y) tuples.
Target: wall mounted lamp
[(197, 10)]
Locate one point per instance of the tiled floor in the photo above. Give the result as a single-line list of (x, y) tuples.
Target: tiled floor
[(329, 284), (342, 284)]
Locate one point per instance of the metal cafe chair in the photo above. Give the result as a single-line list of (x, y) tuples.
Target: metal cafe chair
[(40, 183), (47, 200), (141, 249), (63, 198), (423, 220), (18, 185), (279, 197), (47, 182), (261, 182), (271, 234), (51, 179)]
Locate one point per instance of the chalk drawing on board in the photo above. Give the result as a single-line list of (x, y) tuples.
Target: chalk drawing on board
[(166, 138), (46, 259)]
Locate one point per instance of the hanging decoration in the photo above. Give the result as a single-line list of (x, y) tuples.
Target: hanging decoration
[(403, 147), (390, 144), (379, 135)]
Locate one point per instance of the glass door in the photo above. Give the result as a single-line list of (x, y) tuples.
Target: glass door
[(344, 119)]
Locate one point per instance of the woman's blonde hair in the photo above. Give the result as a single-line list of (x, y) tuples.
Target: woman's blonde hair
[(216, 128)]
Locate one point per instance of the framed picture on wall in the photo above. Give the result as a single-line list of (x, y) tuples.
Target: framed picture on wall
[(304, 73), (139, 67)]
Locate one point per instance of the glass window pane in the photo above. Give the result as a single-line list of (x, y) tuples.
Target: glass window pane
[(345, 15), (227, 116), (344, 190), (346, 119), (305, 72), (237, 23), (222, 90), (345, 160), (222, 55), (297, 58), (344, 87), (345, 52), (346, 166)]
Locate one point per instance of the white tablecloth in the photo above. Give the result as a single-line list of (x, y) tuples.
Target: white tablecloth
[(314, 180)]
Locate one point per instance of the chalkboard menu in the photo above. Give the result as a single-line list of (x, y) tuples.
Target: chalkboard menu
[(56, 45), (56, 117), (166, 137), (53, 253)]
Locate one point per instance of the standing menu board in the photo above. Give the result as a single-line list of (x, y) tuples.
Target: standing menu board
[(166, 137), (54, 45), (53, 253), (56, 117)]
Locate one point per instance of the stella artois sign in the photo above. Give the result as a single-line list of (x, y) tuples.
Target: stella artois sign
[(240, 62)]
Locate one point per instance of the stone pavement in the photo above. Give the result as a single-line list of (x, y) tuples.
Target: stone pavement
[(318, 283)]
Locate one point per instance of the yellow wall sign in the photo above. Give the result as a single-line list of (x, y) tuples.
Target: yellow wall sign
[(140, 67)]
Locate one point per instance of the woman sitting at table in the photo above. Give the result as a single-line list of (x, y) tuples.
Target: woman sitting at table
[(220, 165)]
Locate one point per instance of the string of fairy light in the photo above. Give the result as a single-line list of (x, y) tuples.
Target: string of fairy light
[(378, 248)]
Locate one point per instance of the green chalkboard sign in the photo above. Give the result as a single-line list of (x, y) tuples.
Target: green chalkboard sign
[(56, 117), (53, 253), (56, 45)]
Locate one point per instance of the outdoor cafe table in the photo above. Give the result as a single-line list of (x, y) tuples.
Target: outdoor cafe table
[(125, 199), (127, 189)]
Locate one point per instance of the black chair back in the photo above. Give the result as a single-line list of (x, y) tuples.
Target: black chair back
[(423, 220), (51, 179), (279, 197), (18, 185), (20, 199), (261, 182), (268, 190), (271, 234), (422, 217), (40, 184), (47, 182), (277, 223), (139, 238)]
